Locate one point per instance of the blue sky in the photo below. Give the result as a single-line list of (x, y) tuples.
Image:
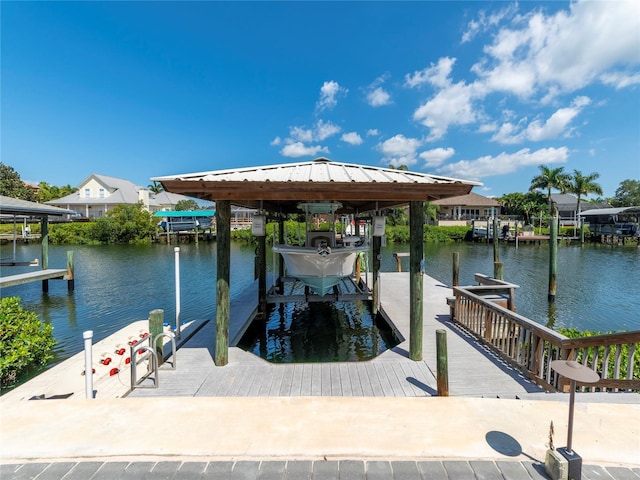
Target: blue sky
[(483, 91)]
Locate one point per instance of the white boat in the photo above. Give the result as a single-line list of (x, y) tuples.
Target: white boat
[(321, 263)]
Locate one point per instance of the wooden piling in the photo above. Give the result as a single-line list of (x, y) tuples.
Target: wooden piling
[(498, 270), (456, 269), (223, 225), (553, 258), (442, 363), (70, 272), (156, 324), (416, 235), (496, 256), (44, 237)]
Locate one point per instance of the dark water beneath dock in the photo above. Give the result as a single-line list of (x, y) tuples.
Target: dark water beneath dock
[(598, 286), (319, 332)]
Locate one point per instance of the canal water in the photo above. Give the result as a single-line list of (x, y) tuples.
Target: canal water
[(598, 286)]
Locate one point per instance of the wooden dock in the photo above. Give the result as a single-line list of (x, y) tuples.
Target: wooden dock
[(473, 370), (20, 278)]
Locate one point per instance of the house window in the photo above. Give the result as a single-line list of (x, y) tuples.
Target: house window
[(87, 193), (101, 193)]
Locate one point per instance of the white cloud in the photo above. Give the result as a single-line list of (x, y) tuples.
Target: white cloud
[(450, 106), (378, 97), (276, 141), (538, 57), (620, 79), (437, 156), (504, 163), (325, 130), (329, 93), (437, 75), (372, 132), (557, 125), (484, 21), (352, 137), (320, 131), (565, 51), (298, 149), (400, 150)]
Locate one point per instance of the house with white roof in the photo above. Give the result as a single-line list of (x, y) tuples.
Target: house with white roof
[(97, 194)]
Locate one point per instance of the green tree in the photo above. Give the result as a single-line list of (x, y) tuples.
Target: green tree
[(186, 205), (550, 178), (583, 185), (125, 224), (155, 187), (522, 204), (48, 192), (11, 185), (25, 342), (627, 194)]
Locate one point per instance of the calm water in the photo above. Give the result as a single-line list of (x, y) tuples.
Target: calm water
[(115, 285)]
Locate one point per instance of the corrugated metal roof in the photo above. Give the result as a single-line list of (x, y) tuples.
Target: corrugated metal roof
[(360, 188), (15, 206), (610, 211), (319, 170)]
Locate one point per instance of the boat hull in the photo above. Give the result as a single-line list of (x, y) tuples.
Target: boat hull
[(320, 272)]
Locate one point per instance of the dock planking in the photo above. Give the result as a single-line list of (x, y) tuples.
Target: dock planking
[(21, 278), (473, 370)]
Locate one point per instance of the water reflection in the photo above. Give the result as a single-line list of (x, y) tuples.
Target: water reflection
[(318, 332)]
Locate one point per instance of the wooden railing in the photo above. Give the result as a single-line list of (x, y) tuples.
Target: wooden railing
[(531, 346)]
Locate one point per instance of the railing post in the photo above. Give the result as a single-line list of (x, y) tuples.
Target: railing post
[(442, 365)]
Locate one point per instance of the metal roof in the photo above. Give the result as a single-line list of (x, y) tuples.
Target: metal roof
[(610, 211), (279, 187), (15, 206)]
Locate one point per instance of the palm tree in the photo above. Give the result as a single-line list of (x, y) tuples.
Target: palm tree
[(155, 187), (550, 178), (583, 185)]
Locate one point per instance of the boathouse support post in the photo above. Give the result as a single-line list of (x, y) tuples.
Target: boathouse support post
[(581, 230), (44, 236), (553, 257), (262, 277), (375, 271), (416, 314), (280, 257), (223, 224)]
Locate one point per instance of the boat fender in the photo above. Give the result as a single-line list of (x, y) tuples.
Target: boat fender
[(120, 351), (113, 371), (133, 342), (93, 370), (144, 335), (106, 361), (127, 361)]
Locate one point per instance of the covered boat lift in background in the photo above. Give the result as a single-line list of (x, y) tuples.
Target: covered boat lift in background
[(278, 189), (14, 208)]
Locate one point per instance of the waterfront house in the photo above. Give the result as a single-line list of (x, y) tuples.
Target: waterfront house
[(461, 209), (97, 194)]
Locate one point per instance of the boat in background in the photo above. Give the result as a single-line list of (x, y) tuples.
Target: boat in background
[(322, 262)]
